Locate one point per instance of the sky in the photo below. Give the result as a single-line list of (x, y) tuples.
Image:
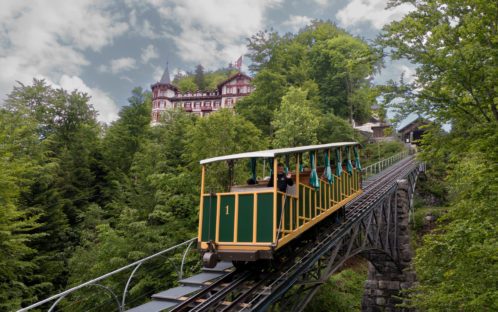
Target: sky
[(106, 48)]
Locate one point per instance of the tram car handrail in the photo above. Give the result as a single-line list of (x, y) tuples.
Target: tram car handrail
[(252, 221)]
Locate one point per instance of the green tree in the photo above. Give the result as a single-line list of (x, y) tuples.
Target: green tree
[(17, 170), (457, 265), (454, 45), (199, 78), (187, 84), (341, 67), (124, 136), (334, 67), (155, 207), (65, 184), (220, 134), (260, 105), (336, 129), (295, 122)]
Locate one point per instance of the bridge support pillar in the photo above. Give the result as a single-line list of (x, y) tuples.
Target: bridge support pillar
[(388, 276)]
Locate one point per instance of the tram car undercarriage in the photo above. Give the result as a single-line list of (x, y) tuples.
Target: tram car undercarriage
[(243, 220)]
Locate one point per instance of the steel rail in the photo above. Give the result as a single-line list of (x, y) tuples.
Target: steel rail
[(375, 193), (279, 281), (212, 287)]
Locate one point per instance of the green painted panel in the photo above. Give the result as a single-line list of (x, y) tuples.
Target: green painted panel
[(227, 216), (313, 203), (287, 214), (307, 203), (348, 188), (280, 198), (294, 213), (245, 221), (343, 186), (265, 218), (334, 187), (327, 196), (348, 184), (301, 204), (209, 219), (322, 195)]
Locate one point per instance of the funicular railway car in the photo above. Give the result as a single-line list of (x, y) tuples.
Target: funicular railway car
[(251, 222)]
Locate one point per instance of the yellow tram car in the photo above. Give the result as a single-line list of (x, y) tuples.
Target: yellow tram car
[(251, 222)]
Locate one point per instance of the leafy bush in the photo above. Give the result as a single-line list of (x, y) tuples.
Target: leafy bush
[(342, 292)]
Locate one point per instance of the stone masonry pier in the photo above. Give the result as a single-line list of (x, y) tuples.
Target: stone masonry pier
[(388, 276)]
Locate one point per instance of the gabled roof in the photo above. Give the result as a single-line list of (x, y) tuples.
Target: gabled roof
[(419, 121), (281, 151), (239, 74)]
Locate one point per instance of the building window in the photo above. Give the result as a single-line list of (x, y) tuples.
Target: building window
[(197, 104), (187, 104), (217, 104)]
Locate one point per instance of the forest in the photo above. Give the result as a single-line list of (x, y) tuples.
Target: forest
[(79, 198)]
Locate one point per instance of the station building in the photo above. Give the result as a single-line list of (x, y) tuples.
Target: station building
[(167, 96)]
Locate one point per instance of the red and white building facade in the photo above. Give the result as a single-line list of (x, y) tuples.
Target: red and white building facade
[(166, 96)]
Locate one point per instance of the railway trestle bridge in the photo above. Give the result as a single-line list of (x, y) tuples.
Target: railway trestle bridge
[(375, 226)]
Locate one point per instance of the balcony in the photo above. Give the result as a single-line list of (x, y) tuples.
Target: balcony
[(188, 109), (206, 108)]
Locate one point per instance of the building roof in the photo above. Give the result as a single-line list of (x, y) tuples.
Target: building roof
[(275, 152), (239, 74), (419, 121), (165, 79)]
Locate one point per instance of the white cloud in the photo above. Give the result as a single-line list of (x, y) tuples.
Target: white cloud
[(297, 22), (322, 2), (373, 11), (212, 32), (144, 29), (149, 53), (119, 65), (409, 73), (108, 111), (157, 74), (49, 39)]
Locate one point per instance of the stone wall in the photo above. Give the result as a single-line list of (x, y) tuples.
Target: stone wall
[(388, 276)]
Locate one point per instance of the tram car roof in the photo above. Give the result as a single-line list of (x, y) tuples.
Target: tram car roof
[(275, 152)]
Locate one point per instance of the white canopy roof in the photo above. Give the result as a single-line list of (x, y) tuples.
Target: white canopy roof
[(275, 152)]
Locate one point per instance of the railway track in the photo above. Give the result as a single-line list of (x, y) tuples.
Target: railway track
[(257, 285)]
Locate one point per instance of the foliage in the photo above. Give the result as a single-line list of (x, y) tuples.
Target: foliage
[(260, 105), (457, 264), (336, 129), (79, 199), (187, 84), (295, 121), (340, 66), (375, 152), (17, 169), (331, 65), (224, 133), (202, 80), (199, 79), (454, 45), (342, 292), (64, 147)]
